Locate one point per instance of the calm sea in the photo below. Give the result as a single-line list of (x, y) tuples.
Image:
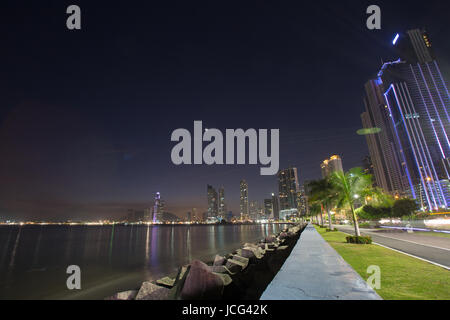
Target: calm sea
[(34, 259)]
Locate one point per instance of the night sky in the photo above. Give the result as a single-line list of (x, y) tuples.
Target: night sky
[(86, 116)]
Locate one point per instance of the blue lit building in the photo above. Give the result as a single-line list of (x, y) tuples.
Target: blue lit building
[(417, 109)]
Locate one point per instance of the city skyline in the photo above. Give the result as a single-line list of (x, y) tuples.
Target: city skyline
[(86, 134)]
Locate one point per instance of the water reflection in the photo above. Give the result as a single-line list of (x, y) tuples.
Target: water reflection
[(33, 259)]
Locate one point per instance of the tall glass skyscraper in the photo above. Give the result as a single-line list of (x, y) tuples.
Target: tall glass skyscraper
[(331, 165), (244, 199), (288, 188), (411, 152), (212, 201)]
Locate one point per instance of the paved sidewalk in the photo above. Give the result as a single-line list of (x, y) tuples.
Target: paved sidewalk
[(315, 271)]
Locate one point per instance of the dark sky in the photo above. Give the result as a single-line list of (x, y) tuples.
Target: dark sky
[(86, 116)]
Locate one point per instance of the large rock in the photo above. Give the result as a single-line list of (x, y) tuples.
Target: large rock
[(151, 291), (283, 235), (270, 239), (225, 278), (257, 252), (246, 253), (241, 259), (219, 260), (125, 295), (166, 281), (201, 283), (220, 269), (236, 265)]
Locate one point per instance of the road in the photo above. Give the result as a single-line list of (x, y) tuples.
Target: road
[(432, 248)]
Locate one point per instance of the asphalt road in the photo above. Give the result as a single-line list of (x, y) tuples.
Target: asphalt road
[(432, 248)]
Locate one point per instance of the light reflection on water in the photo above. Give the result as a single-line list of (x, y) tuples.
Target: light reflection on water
[(33, 259)]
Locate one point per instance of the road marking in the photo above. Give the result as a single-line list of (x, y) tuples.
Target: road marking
[(408, 254), (420, 244), (411, 255)]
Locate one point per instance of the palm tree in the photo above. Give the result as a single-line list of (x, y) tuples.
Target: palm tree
[(314, 210), (322, 192), (350, 186)]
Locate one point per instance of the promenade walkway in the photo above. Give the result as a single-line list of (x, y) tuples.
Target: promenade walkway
[(315, 271)]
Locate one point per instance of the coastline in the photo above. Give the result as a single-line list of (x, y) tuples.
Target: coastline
[(242, 274)]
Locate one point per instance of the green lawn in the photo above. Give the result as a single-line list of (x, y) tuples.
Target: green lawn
[(402, 277)]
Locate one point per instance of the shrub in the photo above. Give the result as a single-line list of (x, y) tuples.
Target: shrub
[(364, 225), (404, 207), (359, 240), (331, 230)]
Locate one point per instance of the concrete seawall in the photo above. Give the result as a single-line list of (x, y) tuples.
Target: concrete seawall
[(315, 271)]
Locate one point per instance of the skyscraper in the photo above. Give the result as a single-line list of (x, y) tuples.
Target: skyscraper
[(253, 210), (275, 207), (157, 212), (416, 103), (288, 188), (302, 202), (212, 201), (331, 165), (386, 165), (367, 165), (244, 199), (268, 208), (222, 210)]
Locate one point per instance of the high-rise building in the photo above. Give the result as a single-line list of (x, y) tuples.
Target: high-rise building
[(147, 214), (212, 201), (158, 208), (331, 165), (288, 188), (244, 199), (302, 202), (367, 166), (253, 210), (275, 207), (268, 208), (381, 141), (416, 101), (222, 210)]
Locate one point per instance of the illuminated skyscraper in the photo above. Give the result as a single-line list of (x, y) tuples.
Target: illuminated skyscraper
[(222, 207), (275, 207), (288, 188), (331, 165), (302, 202), (157, 212), (268, 208), (253, 210), (244, 199), (416, 102), (386, 166), (212, 201)]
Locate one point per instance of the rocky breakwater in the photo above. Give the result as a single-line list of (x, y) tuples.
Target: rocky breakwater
[(242, 274)]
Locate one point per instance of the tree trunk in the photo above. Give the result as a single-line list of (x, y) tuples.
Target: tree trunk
[(321, 215), (329, 218), (355, 221)]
